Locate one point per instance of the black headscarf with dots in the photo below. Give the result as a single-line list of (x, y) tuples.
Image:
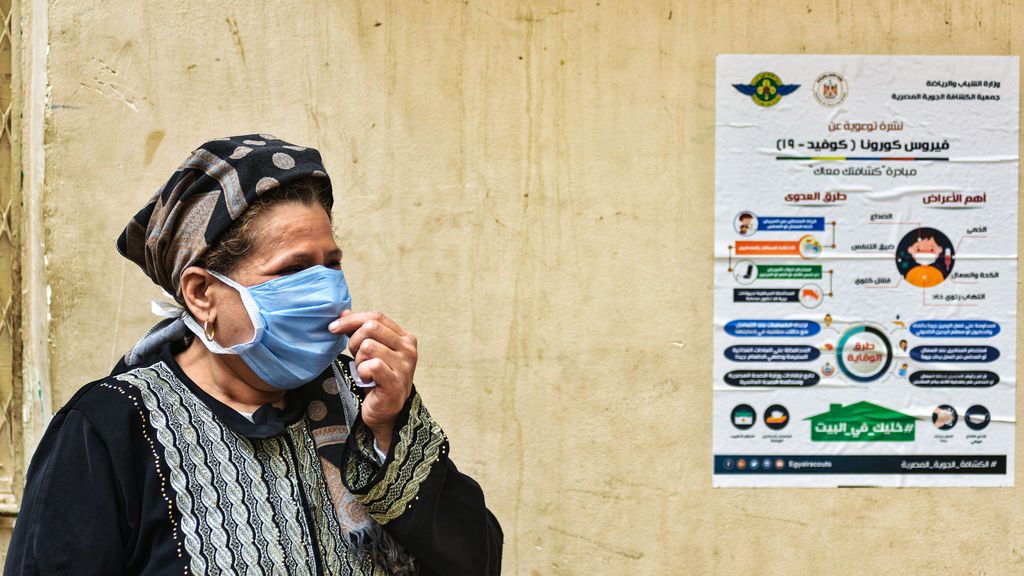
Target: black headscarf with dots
[(211, 189)]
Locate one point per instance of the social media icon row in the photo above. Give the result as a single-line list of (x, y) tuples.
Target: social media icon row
[(754, 464)]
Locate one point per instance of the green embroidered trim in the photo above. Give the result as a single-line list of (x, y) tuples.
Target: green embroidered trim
[(420, 444), (364, 443)]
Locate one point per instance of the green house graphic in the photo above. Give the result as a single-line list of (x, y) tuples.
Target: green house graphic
[(862, 422)]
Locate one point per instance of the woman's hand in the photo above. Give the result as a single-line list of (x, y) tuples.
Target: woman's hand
[(385, 355)]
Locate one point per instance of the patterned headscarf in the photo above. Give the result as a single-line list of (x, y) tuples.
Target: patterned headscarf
[(211, 189)]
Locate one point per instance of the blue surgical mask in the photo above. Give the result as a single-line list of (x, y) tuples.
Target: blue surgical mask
[(290, 344)]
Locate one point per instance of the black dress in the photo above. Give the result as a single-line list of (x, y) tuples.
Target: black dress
[(143, 473)]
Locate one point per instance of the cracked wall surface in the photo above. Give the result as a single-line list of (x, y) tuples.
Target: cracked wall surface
[(528, 187)]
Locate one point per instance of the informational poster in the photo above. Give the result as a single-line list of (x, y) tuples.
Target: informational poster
[(865, 270)]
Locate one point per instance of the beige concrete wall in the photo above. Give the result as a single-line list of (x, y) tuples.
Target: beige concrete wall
[(527, 186)]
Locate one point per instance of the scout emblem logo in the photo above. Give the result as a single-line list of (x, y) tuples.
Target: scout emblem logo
[(766, 89)]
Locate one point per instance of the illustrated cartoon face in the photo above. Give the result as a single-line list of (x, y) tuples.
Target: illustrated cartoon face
[(903, 345), (925, 250)]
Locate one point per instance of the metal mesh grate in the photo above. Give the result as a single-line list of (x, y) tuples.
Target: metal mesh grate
[(10, 341)]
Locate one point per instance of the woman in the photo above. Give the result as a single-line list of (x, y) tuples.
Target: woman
[(235, 437)]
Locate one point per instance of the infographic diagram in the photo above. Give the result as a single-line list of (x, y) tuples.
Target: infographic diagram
[(865, 270)]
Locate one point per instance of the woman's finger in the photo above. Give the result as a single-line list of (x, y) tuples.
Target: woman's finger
[(349, 323), (373, 330), (373, 349), (377, 371)]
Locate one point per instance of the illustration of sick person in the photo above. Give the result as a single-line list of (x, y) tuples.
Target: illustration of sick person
[(903, 345), (925, 251), (746, 224)]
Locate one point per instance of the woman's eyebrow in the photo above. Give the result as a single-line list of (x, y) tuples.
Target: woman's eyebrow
[(292, 257), (300, 256)]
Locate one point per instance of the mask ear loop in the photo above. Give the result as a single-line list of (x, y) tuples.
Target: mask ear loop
[(251, 308)]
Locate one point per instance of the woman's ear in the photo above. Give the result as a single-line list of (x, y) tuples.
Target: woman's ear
[(195, 291)]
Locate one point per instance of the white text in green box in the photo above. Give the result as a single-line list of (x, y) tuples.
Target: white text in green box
[(788, 271)]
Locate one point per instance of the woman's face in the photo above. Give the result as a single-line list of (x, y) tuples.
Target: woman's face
[(289, 238)]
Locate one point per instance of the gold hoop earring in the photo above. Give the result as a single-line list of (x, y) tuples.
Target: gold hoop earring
[(208, 331)]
